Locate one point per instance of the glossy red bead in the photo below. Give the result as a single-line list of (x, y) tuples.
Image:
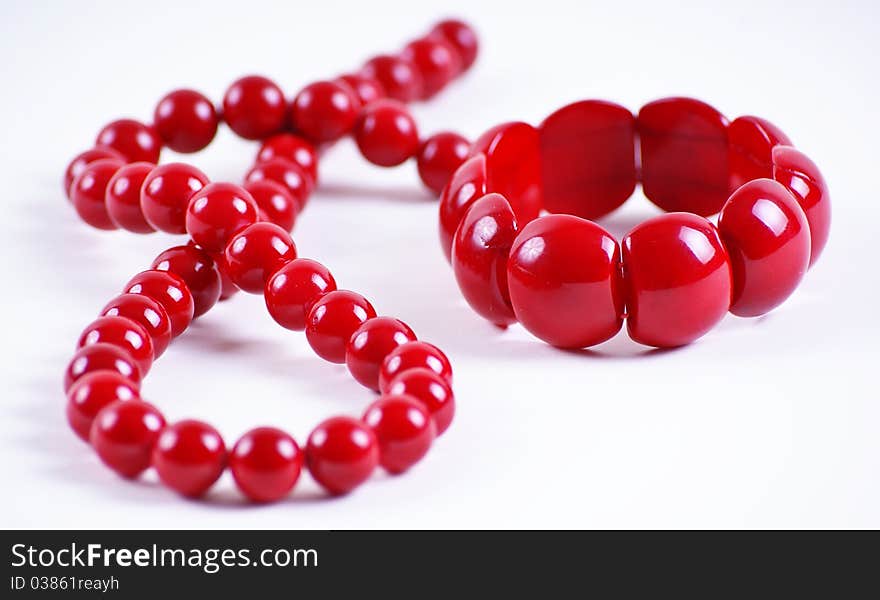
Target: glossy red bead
[(134, 140), (79, 162), (294, 148), (189, 456), (398, 77), (365, 88), (93, 392), (165, 195), (227, 287), (404, 430), (462, 37), (255, 253), (386, 133), (324, 111), (124, 433), (685, 157), (293, 290), (767, 237), (466, 186), (479, 258), (677, 278), (186, 120), (124, 333), (436, 60), (101, 357), (414, 355), (341, 454), (370, 344), (274, 202), (217, 212), (751, 141), (147, 313), (285, 173), (254, 107), (429, 388), (588, 158), (122, 197), (438, 158), (801, 176), (88, 192), (333, 319), (197, 269), (266, 464), (170, 291)]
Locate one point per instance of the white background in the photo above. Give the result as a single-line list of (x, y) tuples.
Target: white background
[(769, 422)]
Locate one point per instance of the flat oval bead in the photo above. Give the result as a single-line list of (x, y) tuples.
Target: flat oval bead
[(752, 140), (468, 183)]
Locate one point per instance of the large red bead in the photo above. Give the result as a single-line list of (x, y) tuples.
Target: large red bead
[(256, 253), (93, 392), (217, 212), (170, 291), (436, 60), (287, 174), (186, 120), (189, 457), (365, 88), (468, 184), (398, 77), (414, 355), (324, 111), (266, 464), (767, 237), (101, 357), (341, 454), (166, 193), (439, 156), (370, 344), (429, 388), (254, 107), (564, 281), (294, 288), (88, 192), (588, 158), (678, 279), (274, 203), (124, 333), (124, 433), (79, 162), (197, 269), (134, 140), (752, 140), (147, 313), (386, 133), (462, 37), (123, 197), (479, 258), (801, 176), (293, 148), (404, 430), (684, 155), (333, 319)]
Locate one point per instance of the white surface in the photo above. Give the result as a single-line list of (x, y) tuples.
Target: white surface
[(770, 422)]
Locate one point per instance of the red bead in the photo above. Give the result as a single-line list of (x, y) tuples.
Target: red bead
[(266, 464), (436, 60), (293, 290), (429, 388), (467, 184), (801, 176), (254, 107), (274, 202), (101, 357), (124, 433), (365, 88), (768, 239), (88, 191), (166, 193), (123, 197), (134, 140), (677, 278), (217, 212), (479, 258), (324, 111), (124, 333), (386, 133), (147, 313), (398, 77), (333, 319), (293, 148), (227, 287), (564, 280), (93, 392), (588, 158), (341, 454), (462, 38), (79, 162), (186, 121), (404, 430), (414, 355), (256, 253), (286, 173), (189, 457), (197, 269), (439, 157), (752, 140), (370, 344), (684, 155), (170, 291)]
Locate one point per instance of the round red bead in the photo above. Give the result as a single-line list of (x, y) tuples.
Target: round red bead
[(466, 186), (134, 140), (165, 195), (414, 355), (227, 287), (370, 344), (88, 192), (197, 269), (324, 111), (217, 212), (404, 431), (170, 291), (365, 88), (123, 197), (462, 37), (429, 388), (294, 288), (79, 162), (398, 77), (186, 121), (274, 202), (294, 148), (286, 173), (436, 60), (124, 333), (386, 133), (101, 357), (333, 319), (147, 313), (124, 433), (93, 392), (266, 464), (189, 457), (254, 107), (256, 253), (341, 454), (439, 157)]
